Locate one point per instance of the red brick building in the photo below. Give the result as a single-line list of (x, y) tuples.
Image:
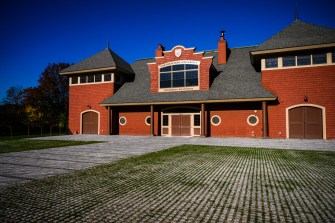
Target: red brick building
[(283, 88)]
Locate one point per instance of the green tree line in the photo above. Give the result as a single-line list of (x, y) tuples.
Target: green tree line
[(23, 110)]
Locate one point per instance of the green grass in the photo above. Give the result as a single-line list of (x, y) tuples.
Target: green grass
[(19, 145), (187, 183)]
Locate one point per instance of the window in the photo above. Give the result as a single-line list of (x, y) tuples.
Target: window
[(108, 77), (252, 120), (304, 60), (333, 57), (179, 75), (271, 62), (196, 121), (148, 120), (289, 61), (122, 120), (215, 120), (98, 77), (90, 79), (83, 79), (74, 80), (319, 58), (165, 120)]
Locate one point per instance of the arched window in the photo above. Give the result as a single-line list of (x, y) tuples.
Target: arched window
[(179, 75)]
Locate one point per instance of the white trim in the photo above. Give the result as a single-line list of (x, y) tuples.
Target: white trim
[(145, 120), (101, 82), (178, 46), (194, 62), (181, 62), (296, 66), (256, 119), (324, 132), (124, 119), (169, 126), (81, 120), (214, 117)]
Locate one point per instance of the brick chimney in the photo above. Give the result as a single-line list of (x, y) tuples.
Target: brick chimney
[(222, 49), (159, 51)]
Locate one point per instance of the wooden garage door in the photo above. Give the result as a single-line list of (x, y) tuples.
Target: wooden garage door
[(90, 123), (181, 125), (305, 123)]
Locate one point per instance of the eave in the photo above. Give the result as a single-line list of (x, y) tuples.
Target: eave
[(191, 102)]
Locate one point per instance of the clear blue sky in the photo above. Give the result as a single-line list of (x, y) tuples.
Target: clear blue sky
[(37, 32)]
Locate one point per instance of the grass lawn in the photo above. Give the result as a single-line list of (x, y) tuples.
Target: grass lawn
[(18, 145), (187, 183)]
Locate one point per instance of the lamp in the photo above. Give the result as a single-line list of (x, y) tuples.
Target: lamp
[(305, 99)]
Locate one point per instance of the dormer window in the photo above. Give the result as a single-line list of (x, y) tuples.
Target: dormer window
[(271, 62), (179, 74)]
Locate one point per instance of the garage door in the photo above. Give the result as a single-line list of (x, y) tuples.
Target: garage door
[(181, 125), (305, 123), (90, 123)]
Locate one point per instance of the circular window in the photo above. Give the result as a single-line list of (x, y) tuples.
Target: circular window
[(148, 120), (215, 120), (252, 120), (122, 120)]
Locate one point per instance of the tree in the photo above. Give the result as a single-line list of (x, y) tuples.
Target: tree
[(14, 96), (53, 92)]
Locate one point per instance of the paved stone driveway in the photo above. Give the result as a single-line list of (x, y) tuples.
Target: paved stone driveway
[(24, 166)]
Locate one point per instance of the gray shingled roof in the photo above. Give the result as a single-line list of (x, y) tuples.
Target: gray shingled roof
[(238, 80), (299, 33), (104, 59)]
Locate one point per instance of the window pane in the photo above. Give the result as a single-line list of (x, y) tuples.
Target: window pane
[(196, 120), (333, 57), (108, 77), (90, 78), (165, 84), (98, 78), (178, 83), (288, 61), (191, 74), (74, 80), (192, 82), (83, 79), (304, 60), (319, 58), (165, 120), (164, 69), (191, 66), (178, 67), (271, 62), (178, 79), (165, 77)]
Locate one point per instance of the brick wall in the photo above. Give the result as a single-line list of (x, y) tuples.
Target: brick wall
[(187, 54), (291, 86), (234, 120), (88, 97)]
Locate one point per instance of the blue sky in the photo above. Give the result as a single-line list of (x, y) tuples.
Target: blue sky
[(35, 33)]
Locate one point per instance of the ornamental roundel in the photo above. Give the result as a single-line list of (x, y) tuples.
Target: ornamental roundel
[(177, 52)]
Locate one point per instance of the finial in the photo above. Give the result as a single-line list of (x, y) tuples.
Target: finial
[(107, 44), (296, 11)]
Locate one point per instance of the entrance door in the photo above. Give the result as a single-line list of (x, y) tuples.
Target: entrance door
[(305, 123), (90, 123), (181, 125)]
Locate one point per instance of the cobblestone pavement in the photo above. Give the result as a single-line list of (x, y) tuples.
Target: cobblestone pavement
[(24, 166), (185, 184)]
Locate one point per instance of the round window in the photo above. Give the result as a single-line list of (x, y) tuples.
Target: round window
[(148, 120), (215, 120), (252, 120), (122, 120)]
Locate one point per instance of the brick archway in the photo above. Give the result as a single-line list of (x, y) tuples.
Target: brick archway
[(306, 122)]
